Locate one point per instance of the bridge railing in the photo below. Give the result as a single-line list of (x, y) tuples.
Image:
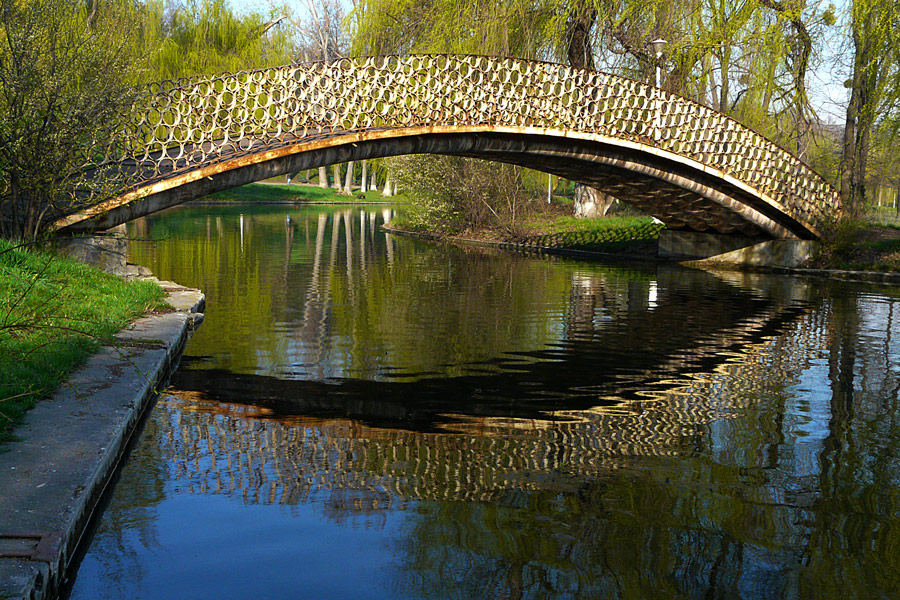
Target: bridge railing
[(179, 125)]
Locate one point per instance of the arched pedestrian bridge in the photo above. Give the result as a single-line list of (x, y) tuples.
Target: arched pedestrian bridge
[(693, 168)]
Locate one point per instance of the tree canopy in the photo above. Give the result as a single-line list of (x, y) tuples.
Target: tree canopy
[(751, 59), (65, 72)]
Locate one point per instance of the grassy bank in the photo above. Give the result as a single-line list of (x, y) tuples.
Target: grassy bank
[(634, 235), (55, 312), (554, 227), (861, 246), (273, 192)]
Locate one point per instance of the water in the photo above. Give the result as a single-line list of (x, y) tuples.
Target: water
[(364, 416)]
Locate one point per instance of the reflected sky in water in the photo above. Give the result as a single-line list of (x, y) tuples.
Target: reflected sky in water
[(368, 416)]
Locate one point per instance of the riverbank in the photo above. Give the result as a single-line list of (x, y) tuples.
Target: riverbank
[(54, 313), (645, 250), (550, 232), (296, 193), (67, 448), (861, 246)]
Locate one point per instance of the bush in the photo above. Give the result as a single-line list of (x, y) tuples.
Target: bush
[(65, 75), (450, 194)]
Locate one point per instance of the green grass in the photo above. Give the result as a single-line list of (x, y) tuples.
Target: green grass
[(54, 313), (882, 212), (261, 192), (553, 227), (608, 234)]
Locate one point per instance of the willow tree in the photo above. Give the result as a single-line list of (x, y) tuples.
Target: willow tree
[(206, 37), (517, 28)]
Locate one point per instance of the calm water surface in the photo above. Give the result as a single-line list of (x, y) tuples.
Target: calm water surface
[(363, 416)]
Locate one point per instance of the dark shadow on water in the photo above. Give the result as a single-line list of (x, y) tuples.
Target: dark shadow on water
[(623, 364)]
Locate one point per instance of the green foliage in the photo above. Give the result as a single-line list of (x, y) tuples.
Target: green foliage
[(54, 312), (519, 28), (64, 75), (203, 37), (450, 194), (432, 207), (68, 76)]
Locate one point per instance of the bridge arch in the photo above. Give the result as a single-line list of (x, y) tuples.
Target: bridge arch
[(692, 167)]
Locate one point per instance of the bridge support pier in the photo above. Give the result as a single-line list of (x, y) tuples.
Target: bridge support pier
[(105, 250), (734, 249)]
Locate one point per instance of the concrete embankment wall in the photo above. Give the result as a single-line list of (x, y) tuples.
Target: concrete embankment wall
[(70, 445)]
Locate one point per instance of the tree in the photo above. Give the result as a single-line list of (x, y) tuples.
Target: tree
[(873, 91), (322, 38), (66, 75), (457, 193), (321, 32), (207, 37)]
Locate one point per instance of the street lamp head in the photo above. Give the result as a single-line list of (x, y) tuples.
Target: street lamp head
[(657, 46)]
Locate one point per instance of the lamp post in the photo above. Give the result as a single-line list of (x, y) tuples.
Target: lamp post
[(657, 46)]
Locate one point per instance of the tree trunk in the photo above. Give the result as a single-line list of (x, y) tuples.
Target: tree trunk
[(848, 155), (388, 186), (323, 177), (336, 173), (724, 75), (863, 135), (856, 137), (801, 50), (363, 181), (591, 203), (348, 182), (578, 34)]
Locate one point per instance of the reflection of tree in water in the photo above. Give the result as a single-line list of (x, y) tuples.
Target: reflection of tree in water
[(756, 521), (855, 525), (660, 497), (677, 438)]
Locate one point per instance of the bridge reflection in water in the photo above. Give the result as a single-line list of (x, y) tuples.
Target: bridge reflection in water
[(672, 434)]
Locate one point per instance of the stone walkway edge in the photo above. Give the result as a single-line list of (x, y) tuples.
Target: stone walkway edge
[(69, 447)]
